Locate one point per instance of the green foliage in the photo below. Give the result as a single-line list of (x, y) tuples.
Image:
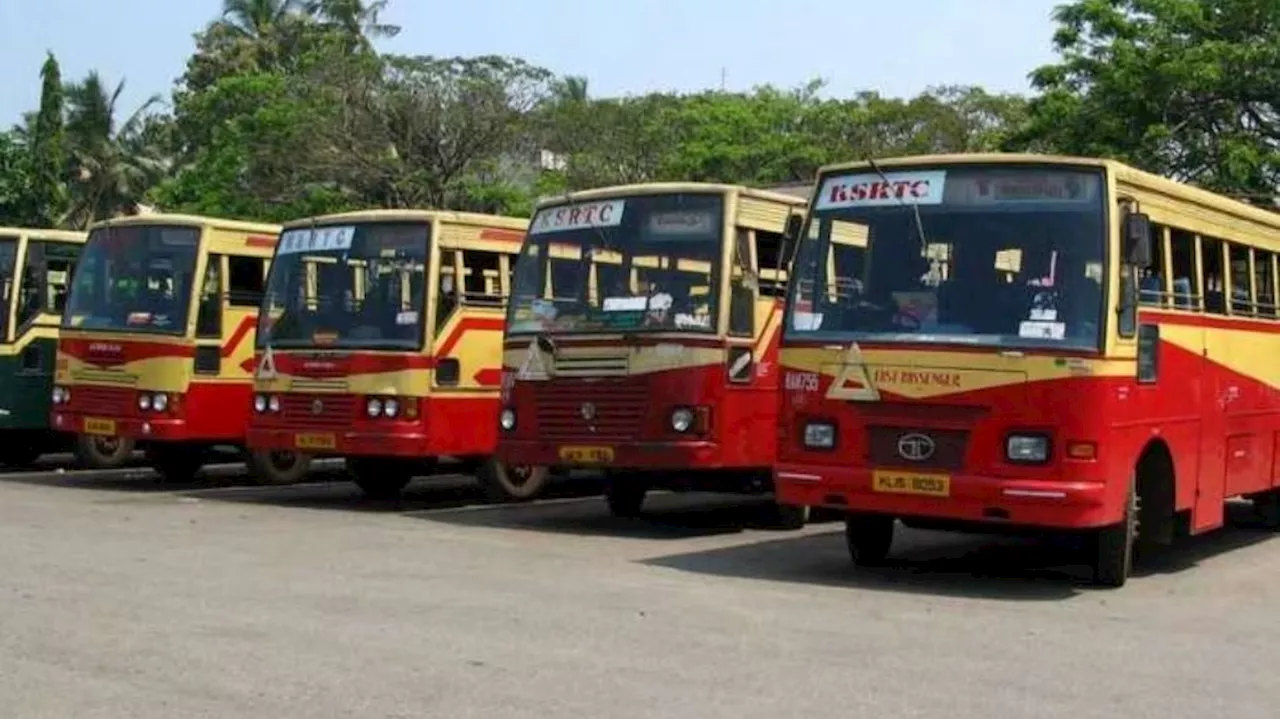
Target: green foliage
[(1185, 88), (17, 196), (48, 149)]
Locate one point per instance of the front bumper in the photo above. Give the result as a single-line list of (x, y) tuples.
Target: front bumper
[(149, 429), (410, 445), (1059, 504)]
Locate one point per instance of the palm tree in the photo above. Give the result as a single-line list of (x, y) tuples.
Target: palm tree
[(356, 18), (113, 165), (260, 20)]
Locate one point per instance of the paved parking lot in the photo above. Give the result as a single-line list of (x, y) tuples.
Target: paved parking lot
[(122, 598)]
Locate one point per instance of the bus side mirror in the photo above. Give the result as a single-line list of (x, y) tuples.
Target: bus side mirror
[(1137, 239)]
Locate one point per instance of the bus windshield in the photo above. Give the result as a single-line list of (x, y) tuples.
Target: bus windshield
[(135, 278), (8, 258), (637, 264), (350, 286), (1000, 256)]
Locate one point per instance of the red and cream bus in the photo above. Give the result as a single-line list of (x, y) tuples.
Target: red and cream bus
[(642, 341), (1030, 343)]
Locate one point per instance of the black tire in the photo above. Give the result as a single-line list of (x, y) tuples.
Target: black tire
[(625, 498), (1267, 506), (789, 516), (176, 464), (277, 467), (94, 452), (503, 484), (1114, 545), (869, 538), (379, 478)]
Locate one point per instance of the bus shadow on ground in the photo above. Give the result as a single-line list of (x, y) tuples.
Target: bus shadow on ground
[(980, 566), (333, 491), (665, 516), (138, 478)]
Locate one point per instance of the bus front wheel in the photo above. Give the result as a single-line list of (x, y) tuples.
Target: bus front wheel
[(279, 466), (379, 478), (869, 538), (94, 452), (1113, 546), (502, 483)]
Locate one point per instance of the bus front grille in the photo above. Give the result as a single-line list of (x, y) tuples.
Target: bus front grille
[(306, 411), (590, 411), (106, 401), (886, 445)]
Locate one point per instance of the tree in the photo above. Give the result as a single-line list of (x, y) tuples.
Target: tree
[(356, 19), (17, 196), (113, 164), (1185, 88), (48, 149)]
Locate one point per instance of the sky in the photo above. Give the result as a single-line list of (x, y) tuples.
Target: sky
[(896, 47)]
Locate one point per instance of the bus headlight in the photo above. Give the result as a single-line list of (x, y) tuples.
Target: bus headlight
[(273, 403), (507, 419), (820, 435), (374, 407), (682, 419), (160, 402), (144, 402), (1027, 448), (259, 403), (390, 407), (61, 395)]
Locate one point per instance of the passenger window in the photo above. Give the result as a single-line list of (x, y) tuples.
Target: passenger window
[(773, 276), (1186, 281), (1241, 279), (247, 278), (209, 312), (1215, 297), (481, 283), (447, 297), (46, 277), (1264, 274), (1151, 281), (742, 286)]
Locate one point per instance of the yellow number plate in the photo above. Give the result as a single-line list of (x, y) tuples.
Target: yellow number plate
[(931, 485), (315, 441), (587, 455), (100, 427)]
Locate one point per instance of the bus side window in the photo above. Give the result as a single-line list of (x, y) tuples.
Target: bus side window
[(1241, 279), (1215, 284), (1186, 280), (246, 277), (773, 277), (447, 297), (1151, 285), (481, 283), (1264, 277), (29, 304), (209, 311), (742, 295)]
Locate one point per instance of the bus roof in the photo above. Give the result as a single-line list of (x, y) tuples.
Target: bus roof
[(34, 233), (463, 218), (655, 188), (188, 221), (1123, 173)]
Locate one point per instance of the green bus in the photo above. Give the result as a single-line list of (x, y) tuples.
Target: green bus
[(36, 268)]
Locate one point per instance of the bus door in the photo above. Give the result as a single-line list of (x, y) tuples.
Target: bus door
[(47, 268)]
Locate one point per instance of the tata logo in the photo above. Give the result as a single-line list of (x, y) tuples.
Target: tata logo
[(588, 411), (916, 447), (317, 407)]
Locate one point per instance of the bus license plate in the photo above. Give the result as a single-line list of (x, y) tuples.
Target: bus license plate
[(100, 427), (930, 485), (587, 455), (315, 441)]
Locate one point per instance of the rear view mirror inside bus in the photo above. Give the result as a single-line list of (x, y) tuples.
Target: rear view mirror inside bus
[(1137, 238), (790, 239)]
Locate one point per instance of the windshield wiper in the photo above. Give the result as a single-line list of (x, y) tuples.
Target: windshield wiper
[(915, 207)]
